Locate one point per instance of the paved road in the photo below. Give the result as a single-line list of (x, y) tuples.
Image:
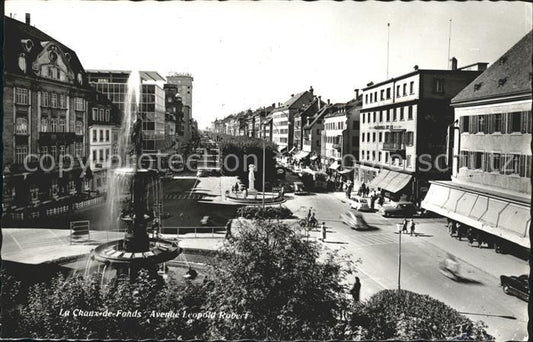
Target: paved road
[(480, 297)]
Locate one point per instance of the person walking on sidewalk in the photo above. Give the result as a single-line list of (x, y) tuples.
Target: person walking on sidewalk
[(356, 289), (323, 228), (404, 226), (413, 227)]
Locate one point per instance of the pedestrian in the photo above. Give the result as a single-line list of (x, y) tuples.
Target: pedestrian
[(228, 229), (244, 193), (282, 192), (454, 228), (313, 222), (323, 231), (404, 226), (356, 289), (470, 236), (413, 227), (480, 240), (460, 231), (309, 215)]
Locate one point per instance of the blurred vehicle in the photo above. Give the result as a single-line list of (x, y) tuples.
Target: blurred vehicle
[(299, 188), (359, 203), (207, 221), (404, 209), (202, 173), (354, 220), (516, 286)]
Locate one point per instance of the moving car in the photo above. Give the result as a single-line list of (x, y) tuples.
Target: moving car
[(403, 209), (202, 173), (517, 286), (299, 188), (354, 220), (359, 203)]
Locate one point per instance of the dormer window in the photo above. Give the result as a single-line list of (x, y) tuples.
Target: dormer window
[(502, 60), (477, 86), (502, 81)]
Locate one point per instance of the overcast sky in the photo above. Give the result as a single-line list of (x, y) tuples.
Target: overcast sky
[(250, 54)]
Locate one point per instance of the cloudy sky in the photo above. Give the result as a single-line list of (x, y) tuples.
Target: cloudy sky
[(250, 54)]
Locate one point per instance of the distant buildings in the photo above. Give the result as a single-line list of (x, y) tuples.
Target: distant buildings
[(183, 83), (114, 84), (46, 104), (403, 129), (490, 187)]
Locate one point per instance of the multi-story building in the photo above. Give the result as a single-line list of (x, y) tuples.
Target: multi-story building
[(184, 81), (302, 118), (104, 124), (313, 130), (283, 119), (341, 128), (174, 130), (490, 188), (46, 94), (403, 129), (114, 84)]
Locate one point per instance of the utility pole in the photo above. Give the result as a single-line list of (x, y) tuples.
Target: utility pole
[(449, 42), (399, 254)]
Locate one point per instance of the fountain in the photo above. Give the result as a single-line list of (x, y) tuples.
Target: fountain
[(137, 191)]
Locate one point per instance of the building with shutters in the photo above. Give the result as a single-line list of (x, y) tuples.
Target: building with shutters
[(45, 111), (490, 189), (403, 129)]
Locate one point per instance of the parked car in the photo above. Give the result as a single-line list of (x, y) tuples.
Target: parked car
[(359, 203), (207, 221), (299, 188), (354, 220), (517, 286), (403, 209)]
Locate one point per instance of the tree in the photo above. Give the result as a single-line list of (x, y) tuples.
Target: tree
[(405, 315), (277, 285)]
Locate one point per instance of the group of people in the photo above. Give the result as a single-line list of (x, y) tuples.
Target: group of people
[(313, 222), (458, 230), (408, 225)]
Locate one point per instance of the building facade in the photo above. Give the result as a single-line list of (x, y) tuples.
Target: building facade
[(46, 94), (403, 127), (114, 84), (184, 84), (490, 188)]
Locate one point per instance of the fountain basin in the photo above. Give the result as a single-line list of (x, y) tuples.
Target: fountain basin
[(159, 251)]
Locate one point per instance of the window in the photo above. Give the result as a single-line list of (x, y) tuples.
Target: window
[(101, 155), (394, 114), (21, 126), (410, 113), (380, 116), (95, 113), (107, 154), (62, 125), (366, 98), (368, 137), (20, 154), (107, 135), (61, 152), (53, 125), (526, 122), (405, 89), (78, 149), (482, 127), (464, 124), (107, 115), (101, 135), (374, 117), (478, 160), (45, 99), (495, 162), (514, 122), (62, 101), (21, 96), (373, 136), (388, 93), (44, 125), (54, 100), (386, 157), (94, 135), (398, 91), (79, 103), (410, 138), (511, 164), (408, 160), (412, 87), (388, 115), (101, 114), (79, 128), (382, 94), (401, 113), (363, 137), (363, 117), (94, 155), (373, 155), (439, 86), (380, 136), (464, 160)]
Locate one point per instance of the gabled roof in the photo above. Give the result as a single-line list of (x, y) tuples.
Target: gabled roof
[(294, 100), (343, 108), (321, 113), (509, 75), (16, 41)]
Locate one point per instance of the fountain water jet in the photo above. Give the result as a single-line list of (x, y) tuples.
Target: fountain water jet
[(136, 192)]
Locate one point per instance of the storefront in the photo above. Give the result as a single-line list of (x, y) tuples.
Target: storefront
[(392, 184)]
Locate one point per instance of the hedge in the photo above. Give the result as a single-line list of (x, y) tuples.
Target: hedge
[(256, 212)]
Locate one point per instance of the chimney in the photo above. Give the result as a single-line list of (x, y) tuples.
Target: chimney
[(311, 90), (274, 105), (28, 19), (415, 67), (356, 93), (454, 63), (328, 102), (292, 95)]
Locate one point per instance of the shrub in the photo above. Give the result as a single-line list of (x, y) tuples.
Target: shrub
[(256, 212), (392, 314)]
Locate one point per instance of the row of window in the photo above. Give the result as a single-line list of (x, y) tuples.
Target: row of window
[(385, 94), (515, 122), (393, 114), (56, 152), (406, 138), (333, 140), (99, 114), (101, 135), (101, 155), (58, 125), (378, 156), (334, 125), (504, 163), (49, 99)]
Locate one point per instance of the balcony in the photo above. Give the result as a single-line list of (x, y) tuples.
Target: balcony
[(336, 147), (392, 146), (52, 138)]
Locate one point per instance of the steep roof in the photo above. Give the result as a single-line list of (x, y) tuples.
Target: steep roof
[(509, 75), (320, 114), (22, 40)]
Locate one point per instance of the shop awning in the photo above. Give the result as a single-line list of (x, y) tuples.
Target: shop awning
[(508, 219), (292, 149), (301, 155), (334, 166), (282, 148), (391, 181)]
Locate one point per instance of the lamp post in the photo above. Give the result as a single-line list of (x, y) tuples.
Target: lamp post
[(399, 256)]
